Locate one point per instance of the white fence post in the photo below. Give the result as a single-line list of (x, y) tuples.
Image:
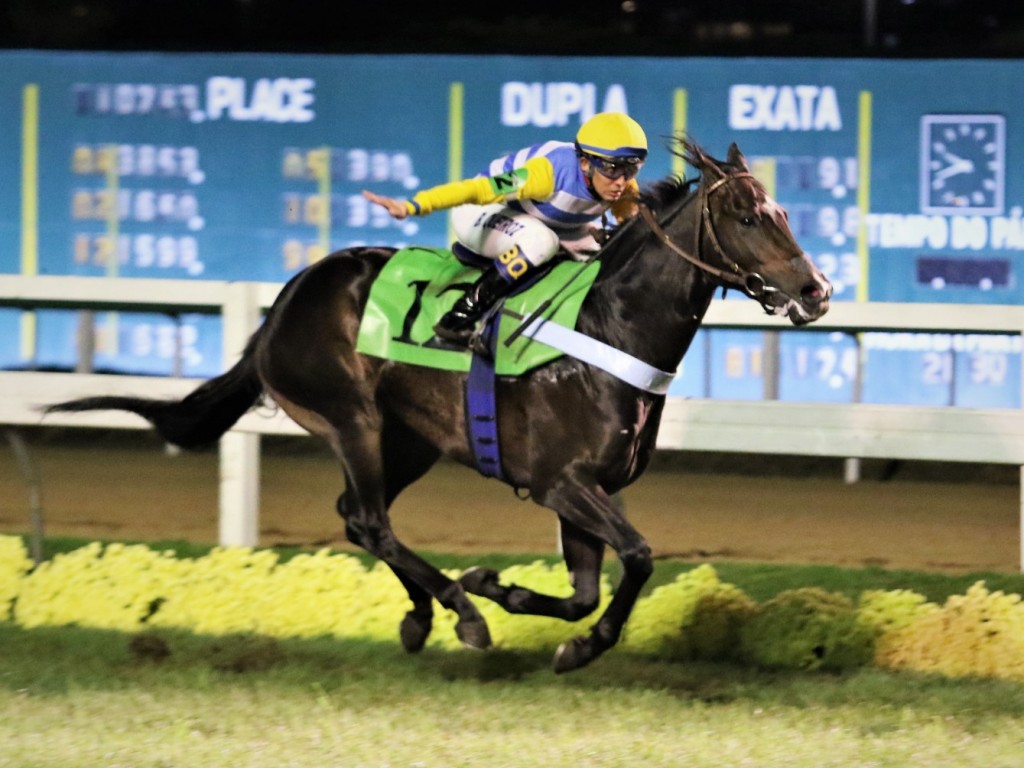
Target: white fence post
[(1021, 516), (239, 451)]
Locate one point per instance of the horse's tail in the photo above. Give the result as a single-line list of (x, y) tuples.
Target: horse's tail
[(201, 417)]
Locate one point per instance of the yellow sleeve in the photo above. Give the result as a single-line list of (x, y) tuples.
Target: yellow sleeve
[(535, 180)]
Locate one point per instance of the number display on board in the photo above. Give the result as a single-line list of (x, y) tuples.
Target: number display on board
[(899, 184)]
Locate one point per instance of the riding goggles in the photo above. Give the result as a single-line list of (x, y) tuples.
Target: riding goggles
[(617, 168)]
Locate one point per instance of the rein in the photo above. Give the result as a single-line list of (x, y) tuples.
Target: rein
[(750, 283)]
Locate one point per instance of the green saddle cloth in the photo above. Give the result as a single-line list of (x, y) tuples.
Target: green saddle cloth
[(418, 285)]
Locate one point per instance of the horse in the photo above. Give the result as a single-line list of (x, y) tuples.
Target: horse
[(572, 434)]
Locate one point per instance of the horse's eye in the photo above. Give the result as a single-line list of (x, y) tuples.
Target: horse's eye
[(748, 221)]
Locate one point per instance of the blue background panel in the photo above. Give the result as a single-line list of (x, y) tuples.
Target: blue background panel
[(250, 167)]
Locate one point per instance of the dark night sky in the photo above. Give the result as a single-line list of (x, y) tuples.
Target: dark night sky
[(879, 28)]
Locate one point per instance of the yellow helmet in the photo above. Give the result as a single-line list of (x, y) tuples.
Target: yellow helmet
[(612, 135)]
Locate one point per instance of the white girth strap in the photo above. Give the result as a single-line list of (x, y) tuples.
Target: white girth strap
[(621, 364)]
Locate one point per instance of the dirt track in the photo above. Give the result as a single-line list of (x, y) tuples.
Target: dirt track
[(961, 518)]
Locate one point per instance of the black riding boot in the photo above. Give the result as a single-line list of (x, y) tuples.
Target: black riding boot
[(459, 323)]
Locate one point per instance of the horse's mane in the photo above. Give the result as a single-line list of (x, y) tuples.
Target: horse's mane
[(663, 196), (659, 196)]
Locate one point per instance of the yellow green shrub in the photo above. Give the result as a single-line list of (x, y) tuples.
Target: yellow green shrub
[(336, 595), (885, 613), (808, 628), (14, 565), (695, 616), (978, 634), (217, 594), (112, 587), (240, 590), (718, 618)]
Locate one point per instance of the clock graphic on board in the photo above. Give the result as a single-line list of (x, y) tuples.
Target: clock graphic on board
[(963, 164)]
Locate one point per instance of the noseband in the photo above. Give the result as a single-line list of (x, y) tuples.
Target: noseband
[(750, 283)]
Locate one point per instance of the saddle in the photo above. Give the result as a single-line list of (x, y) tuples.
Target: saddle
[(418, 285)]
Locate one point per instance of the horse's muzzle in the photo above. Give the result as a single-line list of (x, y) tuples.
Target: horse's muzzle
[(813, 302)]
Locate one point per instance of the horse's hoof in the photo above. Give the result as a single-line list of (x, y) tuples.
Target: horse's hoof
[(474, 634), (479, 581), (414, 631), (573, 654)]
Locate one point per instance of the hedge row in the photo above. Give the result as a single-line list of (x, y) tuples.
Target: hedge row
[(232, 590)]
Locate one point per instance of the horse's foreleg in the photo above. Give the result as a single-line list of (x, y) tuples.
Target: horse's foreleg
[(594, 514), (583, 554)]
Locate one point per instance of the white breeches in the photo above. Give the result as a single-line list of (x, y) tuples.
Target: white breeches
[(495, 230)]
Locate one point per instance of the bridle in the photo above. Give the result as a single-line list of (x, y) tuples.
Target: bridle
[(749, 282)]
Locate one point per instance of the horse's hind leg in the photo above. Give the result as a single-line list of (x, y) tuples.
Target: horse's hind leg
[(416, 625), (407, 457), (583, 555), (370, 490)]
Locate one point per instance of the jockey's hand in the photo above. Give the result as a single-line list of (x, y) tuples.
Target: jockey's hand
[(397, 208)]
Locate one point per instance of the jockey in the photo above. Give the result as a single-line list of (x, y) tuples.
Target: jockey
[(530, 202)]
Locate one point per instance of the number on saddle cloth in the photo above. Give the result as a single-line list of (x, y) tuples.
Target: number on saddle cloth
[(418, 285)]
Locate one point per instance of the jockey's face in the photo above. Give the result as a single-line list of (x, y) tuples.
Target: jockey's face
[(605, 188)]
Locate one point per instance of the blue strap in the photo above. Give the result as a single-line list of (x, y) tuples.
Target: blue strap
[(481, 406)]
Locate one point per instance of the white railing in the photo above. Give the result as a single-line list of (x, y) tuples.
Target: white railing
[(849, 430)]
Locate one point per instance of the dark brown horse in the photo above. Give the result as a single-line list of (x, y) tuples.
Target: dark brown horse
[(570, 434)]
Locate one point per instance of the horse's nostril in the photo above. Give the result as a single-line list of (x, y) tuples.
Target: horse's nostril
[(812, 293)]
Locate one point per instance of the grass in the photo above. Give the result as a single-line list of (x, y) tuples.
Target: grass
[(76, 697)]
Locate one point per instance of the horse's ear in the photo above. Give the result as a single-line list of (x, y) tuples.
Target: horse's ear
[(706, 165), (736, 158)]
